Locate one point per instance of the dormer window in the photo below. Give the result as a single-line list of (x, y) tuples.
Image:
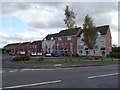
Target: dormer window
[(69, 38), (98, 34), (82, 36), (52, 38), (44, 39)]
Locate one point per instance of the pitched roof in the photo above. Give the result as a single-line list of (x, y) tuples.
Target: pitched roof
[(48, 37), (101, 29), (35, 42), (67, 32), (12, 44), (24, 43)]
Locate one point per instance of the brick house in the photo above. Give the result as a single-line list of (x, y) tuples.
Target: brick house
[(35, 48), (48, 43), (103, 44), (23, 48), (12, 47), (66, 43)]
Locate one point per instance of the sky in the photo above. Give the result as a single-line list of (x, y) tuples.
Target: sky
[(30, 21)]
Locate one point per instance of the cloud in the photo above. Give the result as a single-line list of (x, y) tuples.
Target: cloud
[(47, 17), (37, 34), (51, 14)]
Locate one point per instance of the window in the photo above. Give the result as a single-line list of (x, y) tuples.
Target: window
[(52, 38), (81, 46), (46, 47), (57, 46), (103, 44), (71, 46), (96, 46), (80, 51), (53, 47), (82, 36), (69, 38), (95, 52), (59, 38), (98, 34), (35, 46), (44, 39)]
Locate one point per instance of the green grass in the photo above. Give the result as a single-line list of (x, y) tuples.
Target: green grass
[(93, 60)]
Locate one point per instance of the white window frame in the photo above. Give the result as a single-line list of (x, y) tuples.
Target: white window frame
[(59, 38), (69, 38), (103, 44), (98, 35), (82, 36), (52, 38), (95, 52)]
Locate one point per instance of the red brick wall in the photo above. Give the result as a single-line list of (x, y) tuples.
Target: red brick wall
[(38, 48), (108, 42), (64, 41)]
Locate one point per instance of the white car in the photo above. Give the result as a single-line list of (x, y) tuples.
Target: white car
[(48, 55)]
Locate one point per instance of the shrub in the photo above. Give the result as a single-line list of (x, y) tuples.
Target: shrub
[(116, 54), (96, 58), (21, 58)]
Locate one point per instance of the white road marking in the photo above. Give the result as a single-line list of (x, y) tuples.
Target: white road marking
[(105, 75), (58, 65), (50, 82), (13, 71)]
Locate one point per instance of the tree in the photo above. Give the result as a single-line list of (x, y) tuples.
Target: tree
[(70, 19), (89, 32)]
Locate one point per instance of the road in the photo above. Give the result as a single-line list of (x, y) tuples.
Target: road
[(84, 77)]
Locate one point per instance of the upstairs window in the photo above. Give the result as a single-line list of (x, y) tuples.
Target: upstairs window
[(98, 34), (103, 44), (96, 46), (44, 39), (59, 38), (69, 38), (81, 46), (82, 36), (52, 38)]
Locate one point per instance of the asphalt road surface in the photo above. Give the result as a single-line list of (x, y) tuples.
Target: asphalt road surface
[(84, 77)]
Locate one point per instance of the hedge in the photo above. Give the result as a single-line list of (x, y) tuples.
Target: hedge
[(21, 58)]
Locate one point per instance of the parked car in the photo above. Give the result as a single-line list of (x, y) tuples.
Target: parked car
[(55, 54), (48, 55)]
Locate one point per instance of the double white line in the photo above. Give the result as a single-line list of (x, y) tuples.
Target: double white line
[(42, 83)]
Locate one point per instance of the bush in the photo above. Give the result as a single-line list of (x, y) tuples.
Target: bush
[(21, 58), (116, 54)]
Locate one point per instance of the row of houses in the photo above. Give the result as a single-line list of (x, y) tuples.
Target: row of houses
[(66, 43)]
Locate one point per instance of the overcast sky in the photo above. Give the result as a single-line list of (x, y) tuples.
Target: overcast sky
[(29, 21)]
